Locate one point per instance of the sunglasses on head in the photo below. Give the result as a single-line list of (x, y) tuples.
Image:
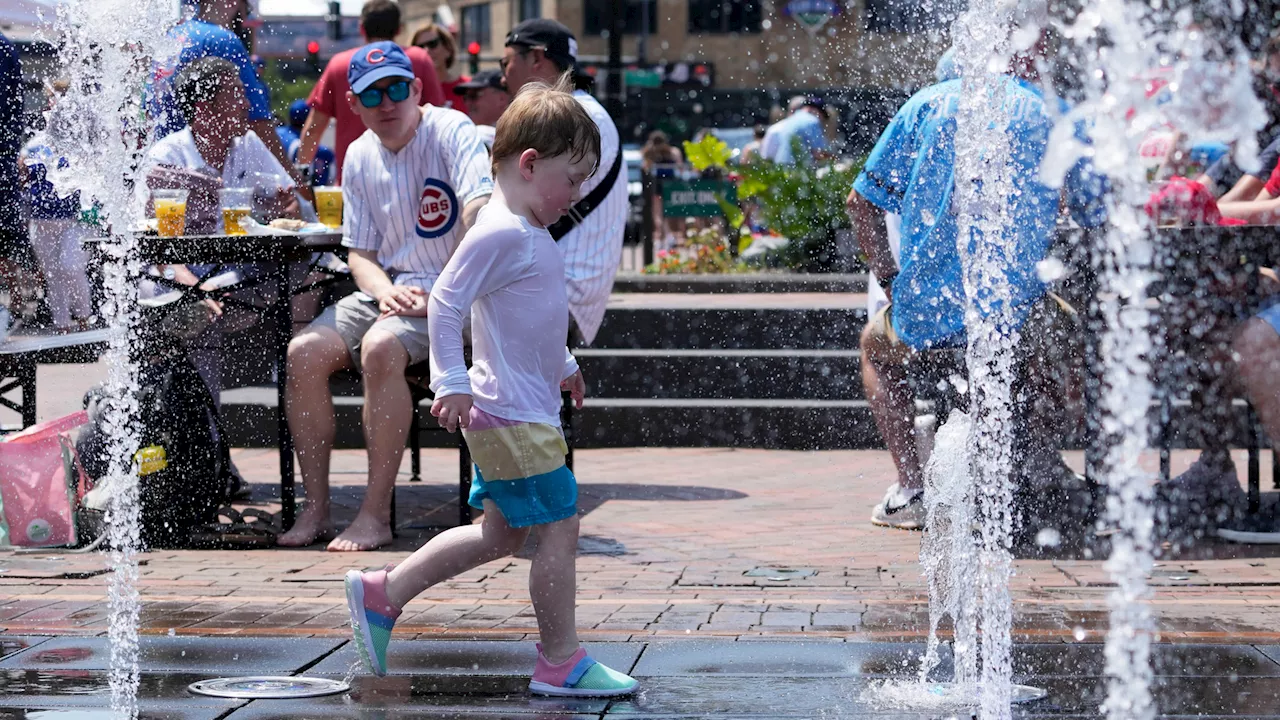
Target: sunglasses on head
[(431, 44), (372, 97)]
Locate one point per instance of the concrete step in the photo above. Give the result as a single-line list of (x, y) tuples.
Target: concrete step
[(707, 374), (746, 283), (795, 424), (815, 321)]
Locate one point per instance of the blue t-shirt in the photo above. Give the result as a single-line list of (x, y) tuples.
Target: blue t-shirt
[(802, 126), (200, 39), (911, 172)]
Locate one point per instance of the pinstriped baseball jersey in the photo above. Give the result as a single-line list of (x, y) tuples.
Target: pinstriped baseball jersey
[(593, 249), (407, 205)]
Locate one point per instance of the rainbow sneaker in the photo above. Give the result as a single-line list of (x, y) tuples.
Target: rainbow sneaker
[(579, 676), (372, 616)]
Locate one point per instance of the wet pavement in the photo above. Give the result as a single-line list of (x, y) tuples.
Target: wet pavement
[(735, 583), (67, 679)]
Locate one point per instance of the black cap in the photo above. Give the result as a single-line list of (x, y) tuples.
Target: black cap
[(556, 40), (814, 101), (481, 80)]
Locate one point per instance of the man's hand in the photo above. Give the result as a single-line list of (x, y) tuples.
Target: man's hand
[(172, 177), (280, 204), (203, 204), (403, 300), (453, 411), (576, 387)]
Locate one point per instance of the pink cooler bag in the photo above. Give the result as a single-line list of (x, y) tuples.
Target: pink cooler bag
[(41, 483)]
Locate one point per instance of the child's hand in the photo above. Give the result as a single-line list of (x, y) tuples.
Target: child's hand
[(577, 388), (403, 300), (453, 411)]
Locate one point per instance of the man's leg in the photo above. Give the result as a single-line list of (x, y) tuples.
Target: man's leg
[(884, 380), (388, 409), (1258, 367), (314, 356)]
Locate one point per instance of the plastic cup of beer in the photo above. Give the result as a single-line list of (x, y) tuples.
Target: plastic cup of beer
[(329, 205), (171, 212), (236, 203)]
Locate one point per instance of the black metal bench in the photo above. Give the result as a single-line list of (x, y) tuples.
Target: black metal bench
[(20, 354)]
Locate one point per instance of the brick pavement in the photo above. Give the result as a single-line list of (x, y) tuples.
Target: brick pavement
[(748, 544)]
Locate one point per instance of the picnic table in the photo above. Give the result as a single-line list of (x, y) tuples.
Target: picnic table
[(275, 253)]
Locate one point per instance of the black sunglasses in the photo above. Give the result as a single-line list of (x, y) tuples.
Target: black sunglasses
[(521, 51), (372, 97), (431, 44)]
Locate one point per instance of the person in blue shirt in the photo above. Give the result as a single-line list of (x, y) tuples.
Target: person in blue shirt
[(208, 34), (291, 138), (801, 133), (911, 172)]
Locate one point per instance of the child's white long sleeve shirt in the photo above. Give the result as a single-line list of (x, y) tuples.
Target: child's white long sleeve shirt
[(510, 275)]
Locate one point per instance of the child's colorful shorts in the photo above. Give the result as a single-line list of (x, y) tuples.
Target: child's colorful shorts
[(520, 467)]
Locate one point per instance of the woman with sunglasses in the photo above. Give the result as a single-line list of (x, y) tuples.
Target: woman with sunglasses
[(443, 49)]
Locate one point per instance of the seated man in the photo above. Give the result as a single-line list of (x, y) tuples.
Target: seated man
[(412, 185), (216, 150), (1236, 362), (1257, 351), (910, 172)]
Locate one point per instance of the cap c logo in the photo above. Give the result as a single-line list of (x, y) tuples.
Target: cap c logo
[(375, 56)]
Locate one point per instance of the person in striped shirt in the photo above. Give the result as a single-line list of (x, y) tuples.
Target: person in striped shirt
[(413, 184), (591, 242)]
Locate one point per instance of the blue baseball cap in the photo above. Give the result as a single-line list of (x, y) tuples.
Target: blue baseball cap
[(375, 61), (298, 112)]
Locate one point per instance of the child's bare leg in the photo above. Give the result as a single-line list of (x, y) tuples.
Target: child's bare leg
[(453, 552), (553, 588)]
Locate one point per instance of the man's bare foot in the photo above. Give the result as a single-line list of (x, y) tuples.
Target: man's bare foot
[(362, 534), (307, 530)]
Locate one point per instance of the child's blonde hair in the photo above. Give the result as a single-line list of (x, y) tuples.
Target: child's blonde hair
[(548, 119)]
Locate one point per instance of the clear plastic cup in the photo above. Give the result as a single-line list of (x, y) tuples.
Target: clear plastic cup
[(329, 205), (236, 203), (171, 212)]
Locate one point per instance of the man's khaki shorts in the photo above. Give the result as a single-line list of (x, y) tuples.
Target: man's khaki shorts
[(356, 314)]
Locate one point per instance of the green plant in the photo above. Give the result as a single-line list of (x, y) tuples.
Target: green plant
[(800, 202), (284, 91), (709, 152)]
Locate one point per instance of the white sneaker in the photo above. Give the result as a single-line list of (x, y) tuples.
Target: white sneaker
[(902, 509)]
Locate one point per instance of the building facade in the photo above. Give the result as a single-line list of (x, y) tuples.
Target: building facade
[(818, 44)]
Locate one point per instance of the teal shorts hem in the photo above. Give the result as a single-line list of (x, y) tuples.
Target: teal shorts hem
[(537, 500)]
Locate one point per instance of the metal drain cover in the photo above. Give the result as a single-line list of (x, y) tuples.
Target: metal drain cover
[(268, 687)]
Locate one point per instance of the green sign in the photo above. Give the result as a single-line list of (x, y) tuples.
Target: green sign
[(699, 198), (642, 78)]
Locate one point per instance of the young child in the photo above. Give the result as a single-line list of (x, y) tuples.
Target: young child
[(546, 146)]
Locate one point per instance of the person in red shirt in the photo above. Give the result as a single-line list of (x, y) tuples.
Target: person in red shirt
[(1262, 210), (443, 48), (379, 20)]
